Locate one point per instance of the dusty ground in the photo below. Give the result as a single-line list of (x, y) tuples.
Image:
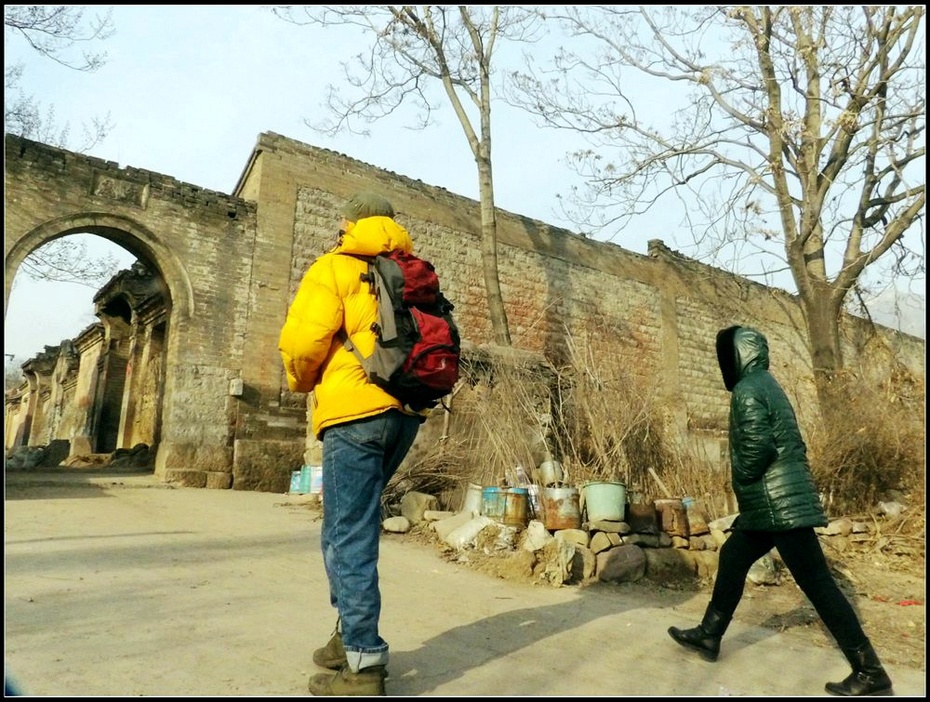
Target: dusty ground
[(118, 585), (883, 575)]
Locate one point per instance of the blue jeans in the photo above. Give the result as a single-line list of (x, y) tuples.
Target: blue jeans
[(359, 458)]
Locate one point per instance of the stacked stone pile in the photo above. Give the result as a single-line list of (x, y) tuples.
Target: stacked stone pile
[(668, 540)]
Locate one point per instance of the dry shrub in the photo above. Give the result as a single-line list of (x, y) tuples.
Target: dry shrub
[(502, 415), (435, 470), (604, 413), (499, 416), (612, 425), (599, 415), (875, 449)]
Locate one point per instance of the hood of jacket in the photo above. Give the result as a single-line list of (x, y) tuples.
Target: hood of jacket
[(740, 351), (373, 235)]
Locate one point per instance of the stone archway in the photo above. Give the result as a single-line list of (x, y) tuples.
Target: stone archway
[(112, 398), (132, 235), (217, 402)]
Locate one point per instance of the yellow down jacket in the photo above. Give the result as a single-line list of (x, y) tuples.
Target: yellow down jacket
[(332, 297)]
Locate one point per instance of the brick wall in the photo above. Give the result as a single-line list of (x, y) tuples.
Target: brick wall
[(231, 263), (661, 309)]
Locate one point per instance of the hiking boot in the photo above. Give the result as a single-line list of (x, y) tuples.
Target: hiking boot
[(332, 655), (368, 682), (704, 638), (868, 677)]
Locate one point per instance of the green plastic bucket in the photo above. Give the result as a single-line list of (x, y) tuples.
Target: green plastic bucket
[(604, 500)]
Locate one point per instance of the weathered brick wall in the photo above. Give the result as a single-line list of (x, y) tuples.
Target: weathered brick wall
[(663, 310), (231, 264), (91, 345)]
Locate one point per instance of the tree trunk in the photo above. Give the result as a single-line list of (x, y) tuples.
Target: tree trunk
[(499, 325), (823, 333)]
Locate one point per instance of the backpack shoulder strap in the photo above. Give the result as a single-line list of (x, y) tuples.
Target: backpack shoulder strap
[(347, 342), (386, 321)]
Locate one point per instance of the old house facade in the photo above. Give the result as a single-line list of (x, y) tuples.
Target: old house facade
[(184, 358)]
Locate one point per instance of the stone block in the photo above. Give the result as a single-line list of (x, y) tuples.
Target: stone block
[(643, 518), (56, 452), (584, 564), (601, 541), (621, 564), (669, 564), (576, 536), (413, 505)]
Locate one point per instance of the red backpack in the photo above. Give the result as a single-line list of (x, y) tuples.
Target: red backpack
[(417, 352)]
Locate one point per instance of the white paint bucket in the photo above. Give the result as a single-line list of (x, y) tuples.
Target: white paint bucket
[(472, 501), (551, 473)]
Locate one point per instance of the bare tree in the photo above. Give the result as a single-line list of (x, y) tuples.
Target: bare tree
[(55, 32), (67, 260), (802, 137), (415, 49)]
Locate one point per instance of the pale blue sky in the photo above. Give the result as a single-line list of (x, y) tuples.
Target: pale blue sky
[(190, 88)]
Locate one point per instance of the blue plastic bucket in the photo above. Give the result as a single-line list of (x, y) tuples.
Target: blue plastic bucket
[(295, 482), (307, 480)]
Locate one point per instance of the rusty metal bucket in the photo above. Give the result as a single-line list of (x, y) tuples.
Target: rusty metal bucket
[(561, 508), (516, 507)]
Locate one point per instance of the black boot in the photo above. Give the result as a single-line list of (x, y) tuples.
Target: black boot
[(868, 677), (705, 638)]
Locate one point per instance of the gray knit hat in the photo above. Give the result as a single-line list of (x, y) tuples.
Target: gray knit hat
[(367, 204)]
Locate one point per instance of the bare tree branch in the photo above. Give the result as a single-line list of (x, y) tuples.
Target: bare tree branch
[(800, 133), (413, 51), (54, 31)]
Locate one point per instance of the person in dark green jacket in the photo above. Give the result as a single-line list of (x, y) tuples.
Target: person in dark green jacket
[(779, 507)]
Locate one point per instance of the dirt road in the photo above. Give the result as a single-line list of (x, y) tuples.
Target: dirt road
[(117, 585)]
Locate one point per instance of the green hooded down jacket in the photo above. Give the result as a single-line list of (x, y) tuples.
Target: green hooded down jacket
[(771, 476)]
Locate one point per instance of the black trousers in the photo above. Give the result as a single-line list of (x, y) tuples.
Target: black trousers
[(801, 552)]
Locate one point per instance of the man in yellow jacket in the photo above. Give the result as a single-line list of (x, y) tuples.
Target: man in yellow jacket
[(366, 433)]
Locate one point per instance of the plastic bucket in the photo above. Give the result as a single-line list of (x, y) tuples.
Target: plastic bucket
[(295, 482), (472, 501), (561, 508), (315, 481), (604, 500), (492, 503), (307, 480), (516, 507), (551, 473)]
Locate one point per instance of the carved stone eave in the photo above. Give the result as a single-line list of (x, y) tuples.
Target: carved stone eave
[(43, 363), (138, 284)]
